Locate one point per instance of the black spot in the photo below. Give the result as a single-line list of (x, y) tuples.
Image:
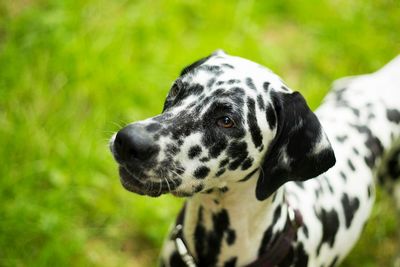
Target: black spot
[(260, 102), (218, 147), (220, 83), (299, 184), (350, 206), (201, 172), (330, 226), (319, 190), (194, 151), (271, 117), (237, 151), (305, 230), (284, 88), (219, 92), (231, 237), (232, 81), (266, 86), (223, 162), (250, 84), (351, 165), (369, 189), (393, 115), (204, 159), (247, 163), (210, 82), (355, 111), (342, 138), (208, 243), (220, 172), (235, 164), (231, 262), (196, 89), (343, 175), (224, 189), (372, 143), (198, 188), (339, 94), (371, 116), (252, 122), (356, 151)]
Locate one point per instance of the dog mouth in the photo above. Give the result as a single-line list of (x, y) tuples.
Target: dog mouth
[(149, 186)]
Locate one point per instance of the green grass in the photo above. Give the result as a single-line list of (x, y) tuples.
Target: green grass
[(72, 72)]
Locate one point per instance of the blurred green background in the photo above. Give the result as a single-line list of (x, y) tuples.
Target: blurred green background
[(73, 72)]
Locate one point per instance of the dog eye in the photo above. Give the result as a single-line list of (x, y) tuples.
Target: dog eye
[(175, 90), (225, 122)]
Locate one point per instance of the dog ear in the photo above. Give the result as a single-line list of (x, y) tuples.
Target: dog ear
[(300, 149)]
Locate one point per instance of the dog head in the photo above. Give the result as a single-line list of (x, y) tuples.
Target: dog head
[(225, 120)]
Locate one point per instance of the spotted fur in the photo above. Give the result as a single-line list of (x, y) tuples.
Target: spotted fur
[(242, 146)]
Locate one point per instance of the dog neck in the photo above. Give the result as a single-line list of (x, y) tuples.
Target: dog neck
[(224, 223)]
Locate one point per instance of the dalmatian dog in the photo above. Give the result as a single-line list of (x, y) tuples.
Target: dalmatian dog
[(267, 181)]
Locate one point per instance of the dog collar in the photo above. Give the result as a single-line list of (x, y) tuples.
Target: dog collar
[(180, 246), (274, 254)]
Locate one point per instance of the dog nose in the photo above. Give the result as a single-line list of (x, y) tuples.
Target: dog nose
[(134, 142)]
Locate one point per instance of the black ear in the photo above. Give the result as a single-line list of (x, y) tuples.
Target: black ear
[(300, 149)]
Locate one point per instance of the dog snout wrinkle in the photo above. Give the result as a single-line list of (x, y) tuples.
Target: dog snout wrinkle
[(134, 142)]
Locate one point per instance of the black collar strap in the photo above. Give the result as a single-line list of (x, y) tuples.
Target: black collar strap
[(274, 253)]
